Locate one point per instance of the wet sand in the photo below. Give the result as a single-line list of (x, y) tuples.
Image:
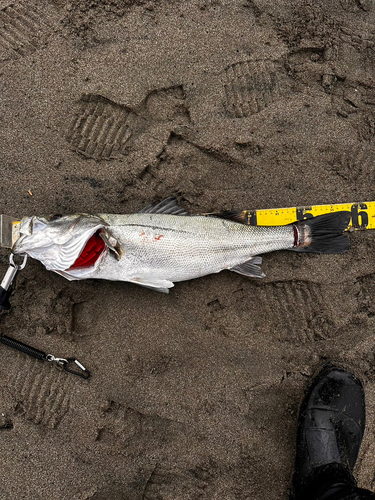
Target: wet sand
[(107, 106)]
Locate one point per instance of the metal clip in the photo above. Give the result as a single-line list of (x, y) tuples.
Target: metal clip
[(20, 266), (82, 372), (58, 361), (12, 271), (65, 364), (6, 284)]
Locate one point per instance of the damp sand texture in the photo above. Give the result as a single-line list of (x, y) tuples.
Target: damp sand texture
[(108, 106)]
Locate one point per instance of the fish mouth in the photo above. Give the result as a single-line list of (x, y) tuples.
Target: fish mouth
[(91, 252), (71, 246)]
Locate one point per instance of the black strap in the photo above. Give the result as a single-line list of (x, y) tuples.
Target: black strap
[(70, 365), (20, 346)]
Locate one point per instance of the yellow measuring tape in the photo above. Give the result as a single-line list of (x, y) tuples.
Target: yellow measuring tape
[(363, 214)]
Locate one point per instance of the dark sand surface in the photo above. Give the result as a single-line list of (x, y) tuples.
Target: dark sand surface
[(108, 106)]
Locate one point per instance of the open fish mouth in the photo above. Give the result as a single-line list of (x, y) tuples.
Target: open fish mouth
[(74, 245)]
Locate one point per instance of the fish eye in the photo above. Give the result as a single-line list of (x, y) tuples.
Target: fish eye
[(56, 216)]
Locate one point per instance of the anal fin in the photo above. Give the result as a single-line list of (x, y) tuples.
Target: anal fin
[(250, 268)]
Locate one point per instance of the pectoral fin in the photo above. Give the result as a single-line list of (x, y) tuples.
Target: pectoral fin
[(112, 244), (250, 268), (157, 285)]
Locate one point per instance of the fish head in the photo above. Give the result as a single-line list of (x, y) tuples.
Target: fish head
[(66, 242)]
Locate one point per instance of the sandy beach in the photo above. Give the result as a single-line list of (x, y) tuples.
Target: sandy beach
[(107, 106)]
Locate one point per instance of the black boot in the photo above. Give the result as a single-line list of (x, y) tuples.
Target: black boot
[(330, 430)]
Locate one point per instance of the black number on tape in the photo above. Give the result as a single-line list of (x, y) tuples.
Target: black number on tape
[(359, 216)]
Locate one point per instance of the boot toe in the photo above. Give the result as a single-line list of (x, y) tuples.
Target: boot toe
[(331, 424), (339, 391)]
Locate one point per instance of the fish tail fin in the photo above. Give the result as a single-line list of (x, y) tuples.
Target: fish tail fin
[(322, 234)]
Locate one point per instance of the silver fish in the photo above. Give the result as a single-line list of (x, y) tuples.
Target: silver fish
[(162, 244)]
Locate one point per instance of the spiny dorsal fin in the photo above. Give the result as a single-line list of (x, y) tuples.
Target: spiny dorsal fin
[(168, 206)]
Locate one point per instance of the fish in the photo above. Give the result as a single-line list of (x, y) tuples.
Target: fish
[(162, 244)]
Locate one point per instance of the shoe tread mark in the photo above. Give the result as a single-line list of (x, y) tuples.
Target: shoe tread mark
[(174, 482), (251, 86), (22, 25), (42, 392), (297, 310), (123, 425), (101, 129)]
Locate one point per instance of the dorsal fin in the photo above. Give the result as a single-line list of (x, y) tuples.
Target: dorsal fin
[(240, 216), (168, 206)]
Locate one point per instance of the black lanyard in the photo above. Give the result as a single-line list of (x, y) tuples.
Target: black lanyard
[(71, 365)]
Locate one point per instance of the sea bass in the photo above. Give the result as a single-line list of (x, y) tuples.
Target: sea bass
[(163, 244)]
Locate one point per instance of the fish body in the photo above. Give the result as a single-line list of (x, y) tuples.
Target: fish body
[(181, 248), (154, 249)]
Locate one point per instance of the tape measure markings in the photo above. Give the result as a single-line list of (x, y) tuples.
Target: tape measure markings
[(362, 214)]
